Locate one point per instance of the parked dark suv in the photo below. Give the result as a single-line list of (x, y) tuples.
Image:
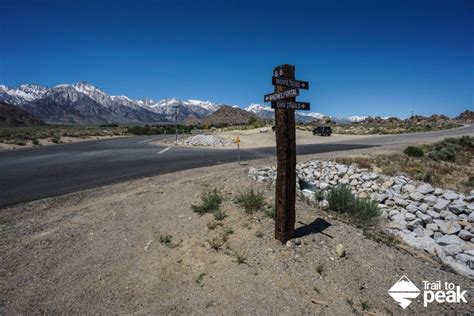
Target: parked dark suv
[(322, 130)]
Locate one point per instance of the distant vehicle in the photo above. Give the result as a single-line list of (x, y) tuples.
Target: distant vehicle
[(322, 130), (264, 130)]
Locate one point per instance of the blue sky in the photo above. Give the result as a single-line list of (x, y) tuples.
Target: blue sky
[(362, 57)]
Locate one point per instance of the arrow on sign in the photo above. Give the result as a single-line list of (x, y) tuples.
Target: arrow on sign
[(291, 105), (281, 95), (290, 83)]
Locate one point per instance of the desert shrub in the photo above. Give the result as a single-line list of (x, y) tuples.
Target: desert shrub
[(363, 162), (360, 211), (319, 196), (365, 211), (470, 182), (219, 214), (425, 176), (340, 199), (269, 212), (55, 140), (413, 151), (19, 142), (251, 200), (35, 142), (210, 202), (447, 153)]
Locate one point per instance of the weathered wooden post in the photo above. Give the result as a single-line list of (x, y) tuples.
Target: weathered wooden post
[(285, 190)]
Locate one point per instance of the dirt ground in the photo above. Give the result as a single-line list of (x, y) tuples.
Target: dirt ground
[(99, 252), (48, 142)]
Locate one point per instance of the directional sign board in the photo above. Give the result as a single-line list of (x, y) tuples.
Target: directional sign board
[(290, 105), (281, 95), (290, 83)]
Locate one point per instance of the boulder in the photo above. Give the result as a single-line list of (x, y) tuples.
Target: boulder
[(410, 216), (465, 259), (449, 227), (433, 213), (409, 188), (425, 218), (412, 208), (441, 204), (457, 207), (416, 196), (432, 227), (430, 199), (452, 250), (447, 215), (465, 234), (414, 223), (425, 188), (400, 202), (450, 240), (450, 195)]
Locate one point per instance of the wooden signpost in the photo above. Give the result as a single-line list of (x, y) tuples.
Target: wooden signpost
[(284, 103)]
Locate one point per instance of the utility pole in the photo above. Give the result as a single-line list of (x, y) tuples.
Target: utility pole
[(176, 122)]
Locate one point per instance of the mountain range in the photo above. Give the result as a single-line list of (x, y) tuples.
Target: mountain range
[(83, 103)]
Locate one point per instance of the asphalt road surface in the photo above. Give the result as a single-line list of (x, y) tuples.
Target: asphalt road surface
[(35, 173)]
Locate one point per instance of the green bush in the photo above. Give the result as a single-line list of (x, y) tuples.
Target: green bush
[(269, 212), (319, 196), (341, 199), (413, 151), (210, 203), (445, 153), (360, 211), (251, 200)]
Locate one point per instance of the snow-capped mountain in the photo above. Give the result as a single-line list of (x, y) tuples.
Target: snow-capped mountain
[(85, 103), (266, 112), (21, 94)]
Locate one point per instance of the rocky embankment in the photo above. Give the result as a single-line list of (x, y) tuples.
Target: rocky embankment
[(438, 221), (205, 140)]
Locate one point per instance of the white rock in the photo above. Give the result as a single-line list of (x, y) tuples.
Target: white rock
[(425, 188), (430, 199), (432, 227), (452, 250), (450, 240), (450, 195), (465, 234), (441, 204), (409, 188), (447, 215), (425, 218), (432, 213), (414, 223), (416, 196), (466, 259), (449, 228), (409, 217), (457, 207), (438, 191), (400, 202)]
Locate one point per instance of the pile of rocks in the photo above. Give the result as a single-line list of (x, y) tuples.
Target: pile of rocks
[(205, 140), (435, 220)]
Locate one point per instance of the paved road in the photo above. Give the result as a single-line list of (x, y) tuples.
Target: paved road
[(34, 173)]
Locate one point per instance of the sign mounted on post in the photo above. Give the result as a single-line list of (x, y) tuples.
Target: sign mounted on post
[(290, 83), (281, 95), (290, 105), (284, 103)]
